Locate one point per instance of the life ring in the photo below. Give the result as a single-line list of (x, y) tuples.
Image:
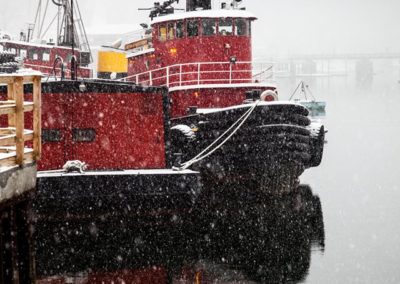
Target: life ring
[(269, 96)]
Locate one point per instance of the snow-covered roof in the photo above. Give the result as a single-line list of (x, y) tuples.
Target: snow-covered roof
[(134, 54), (32, 44), (221, 13)]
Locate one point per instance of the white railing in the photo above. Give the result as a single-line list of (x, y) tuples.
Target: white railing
[(202, 73)]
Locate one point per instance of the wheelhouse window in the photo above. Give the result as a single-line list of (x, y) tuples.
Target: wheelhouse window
[(179, 29), (242, 27), (51, 135), (209, 27), (162, 33), (171, 31), (46, 56), (192, 28), (225, 26), (83, 135)]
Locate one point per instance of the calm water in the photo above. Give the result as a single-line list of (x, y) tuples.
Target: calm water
[(359, 181), (343, 226)]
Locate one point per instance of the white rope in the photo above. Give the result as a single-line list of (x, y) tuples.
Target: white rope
[(199, 157)]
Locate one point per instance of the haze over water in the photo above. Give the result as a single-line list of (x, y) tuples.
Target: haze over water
[(358, 181)]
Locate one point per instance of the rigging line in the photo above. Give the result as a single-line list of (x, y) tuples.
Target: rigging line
[(84, 32), (198, 158), (295, 91), (36, 17), (44, 18), (51, 23), (309, 90)]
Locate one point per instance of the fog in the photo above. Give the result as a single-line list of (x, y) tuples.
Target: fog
[(284, 26)]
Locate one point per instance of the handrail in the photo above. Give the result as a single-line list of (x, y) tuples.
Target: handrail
[(199, 73), (13, 151)]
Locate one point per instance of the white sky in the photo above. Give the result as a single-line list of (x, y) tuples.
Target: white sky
[(294, 26)]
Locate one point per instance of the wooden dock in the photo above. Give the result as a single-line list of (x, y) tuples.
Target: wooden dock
[(20, 149)]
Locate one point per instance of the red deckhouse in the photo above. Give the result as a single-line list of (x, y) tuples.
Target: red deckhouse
[(203, 56)]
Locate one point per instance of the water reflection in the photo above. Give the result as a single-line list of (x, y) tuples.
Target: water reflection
[(256, 239)]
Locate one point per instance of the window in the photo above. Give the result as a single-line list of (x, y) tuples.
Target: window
[(225, 26), (179, 30), (46, 56), (51, 135), (162, 33), (83, 135), (209, 27), (192, 28), (23, 53), (33, 55), (171, 31), (241, 27)]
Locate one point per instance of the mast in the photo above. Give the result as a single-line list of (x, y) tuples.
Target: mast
[(193, 5)]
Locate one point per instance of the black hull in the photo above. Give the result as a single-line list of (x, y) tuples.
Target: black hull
[(273, 147), (89, 220)]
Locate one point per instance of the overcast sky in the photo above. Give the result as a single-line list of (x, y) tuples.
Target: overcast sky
[(284, 26)]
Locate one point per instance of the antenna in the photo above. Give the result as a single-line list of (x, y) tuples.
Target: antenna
[(161, 9)]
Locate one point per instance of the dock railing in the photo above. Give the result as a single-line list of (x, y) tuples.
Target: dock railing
[(205, 73), (14, 150)]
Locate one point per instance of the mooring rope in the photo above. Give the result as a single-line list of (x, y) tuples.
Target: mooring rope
[(201, 157)]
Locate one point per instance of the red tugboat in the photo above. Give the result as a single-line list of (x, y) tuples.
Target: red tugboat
[(69, 56), (232, 132), (220, 106)]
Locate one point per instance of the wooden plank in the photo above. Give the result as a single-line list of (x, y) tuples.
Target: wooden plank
[(7, 109), (7, 131), (8, 102), (19, 119), (6, 79), (8, 140), (10, 159), (11, 97), (37, 118)]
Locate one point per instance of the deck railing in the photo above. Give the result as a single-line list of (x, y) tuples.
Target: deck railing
[(13, 135), (203, 73)]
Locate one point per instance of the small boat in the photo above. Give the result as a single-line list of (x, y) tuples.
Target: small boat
[(305, 97)]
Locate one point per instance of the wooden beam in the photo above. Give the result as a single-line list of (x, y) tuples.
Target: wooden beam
[(9, 159), (37, 118), (19, 119), (11, 97)]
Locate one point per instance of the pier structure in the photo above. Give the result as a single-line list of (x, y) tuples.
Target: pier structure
[(20, 149), (324, 65)]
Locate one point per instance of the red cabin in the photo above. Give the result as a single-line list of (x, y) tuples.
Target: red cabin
[(204, 57)]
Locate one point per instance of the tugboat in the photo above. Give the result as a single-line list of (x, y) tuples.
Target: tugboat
[(226, 121), (69, 56)]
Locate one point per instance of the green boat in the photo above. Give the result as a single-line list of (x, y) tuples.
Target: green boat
[(304, 96)]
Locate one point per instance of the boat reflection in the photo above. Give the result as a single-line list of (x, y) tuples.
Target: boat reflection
[(268, 240)]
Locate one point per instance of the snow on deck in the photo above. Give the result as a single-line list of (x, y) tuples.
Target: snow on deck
[(61, 173), (221, 13)]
